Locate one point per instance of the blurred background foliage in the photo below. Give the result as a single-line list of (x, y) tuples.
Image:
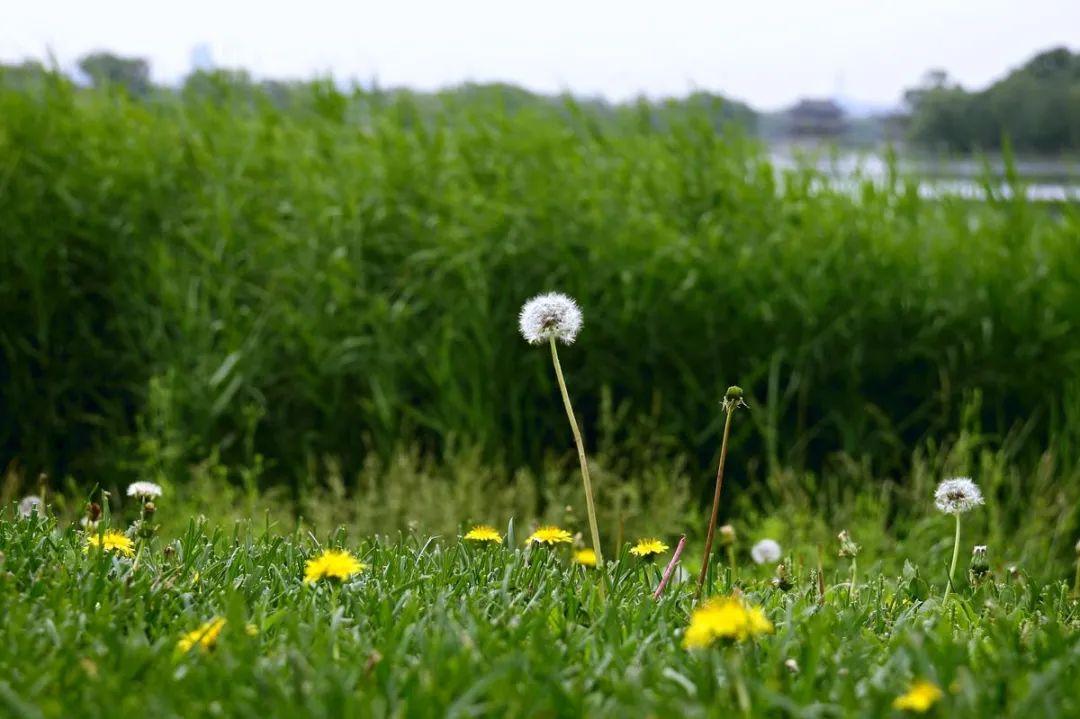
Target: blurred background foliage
[(291, 282)]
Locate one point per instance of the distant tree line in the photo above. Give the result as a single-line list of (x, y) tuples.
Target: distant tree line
[(238, 88), (1035, 107)]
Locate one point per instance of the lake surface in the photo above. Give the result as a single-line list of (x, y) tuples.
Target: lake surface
[(1041, 180)]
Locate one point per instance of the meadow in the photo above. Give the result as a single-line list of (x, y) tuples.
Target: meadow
[(439, 627), (299, 321)]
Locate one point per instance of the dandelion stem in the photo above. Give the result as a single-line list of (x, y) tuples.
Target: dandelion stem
[(741, 695), (730, 407), (955, 556), (581, 455), (852, 591)]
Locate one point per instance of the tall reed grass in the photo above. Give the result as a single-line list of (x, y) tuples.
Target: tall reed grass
[(219, 276)]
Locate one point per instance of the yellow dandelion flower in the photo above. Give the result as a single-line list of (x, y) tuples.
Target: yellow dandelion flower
[(726, 618), (484, 533), (585, 557), (331, 564), (920, 696), (205, 637), (648, 548), (111, 541), (550, 535)]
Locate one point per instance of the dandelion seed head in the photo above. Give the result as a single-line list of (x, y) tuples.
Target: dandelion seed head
[(144, 490), (553, 315), (766, 551), (29, 505), (957, 495)]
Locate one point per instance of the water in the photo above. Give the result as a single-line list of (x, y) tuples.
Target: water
[(1041, 180)]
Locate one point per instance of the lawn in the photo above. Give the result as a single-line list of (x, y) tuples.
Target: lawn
[(443, 626)]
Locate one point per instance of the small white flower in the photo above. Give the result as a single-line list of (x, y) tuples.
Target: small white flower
[(957, 495), (144, 490), (553, 315), (766, 551), (29, 505)]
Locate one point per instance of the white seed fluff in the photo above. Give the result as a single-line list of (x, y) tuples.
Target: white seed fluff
[(144, 490), (553, 315), (767, 551), (29, 505), (957, 495)]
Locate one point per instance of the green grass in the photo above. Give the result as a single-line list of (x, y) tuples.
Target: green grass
[(435, 628)]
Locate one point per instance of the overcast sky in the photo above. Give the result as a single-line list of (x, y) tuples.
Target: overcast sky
[(767, 52)]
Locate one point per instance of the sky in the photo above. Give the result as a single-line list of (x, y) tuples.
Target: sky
[(765, 52)]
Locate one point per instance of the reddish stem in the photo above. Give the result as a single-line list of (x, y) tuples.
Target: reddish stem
[(670, 568)]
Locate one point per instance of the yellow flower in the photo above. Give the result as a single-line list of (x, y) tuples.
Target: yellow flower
[(585, 557), (331, 564), (111, 541), (484, 533), (648, 548), (550, 535), (205, 637), (920, 696), (725, 618)]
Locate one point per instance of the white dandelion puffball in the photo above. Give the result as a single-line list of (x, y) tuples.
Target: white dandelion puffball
[(29, 505), (549, 316), (767, 551), (144, 490), (957, 495)]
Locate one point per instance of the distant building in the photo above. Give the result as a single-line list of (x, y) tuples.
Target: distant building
[(816, 118)]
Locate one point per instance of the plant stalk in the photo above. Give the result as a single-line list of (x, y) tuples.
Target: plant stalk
[(730, 407), (670, 568), (955, 556), (581, 455)]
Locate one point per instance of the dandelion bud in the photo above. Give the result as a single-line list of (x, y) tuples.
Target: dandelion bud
[(848, 548), (979, 564), (791, 665), (727, 535), (733, 398), (782, 580), (93, 512), (149, 508)]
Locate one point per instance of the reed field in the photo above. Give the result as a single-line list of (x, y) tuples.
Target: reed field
[(275, 438)]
